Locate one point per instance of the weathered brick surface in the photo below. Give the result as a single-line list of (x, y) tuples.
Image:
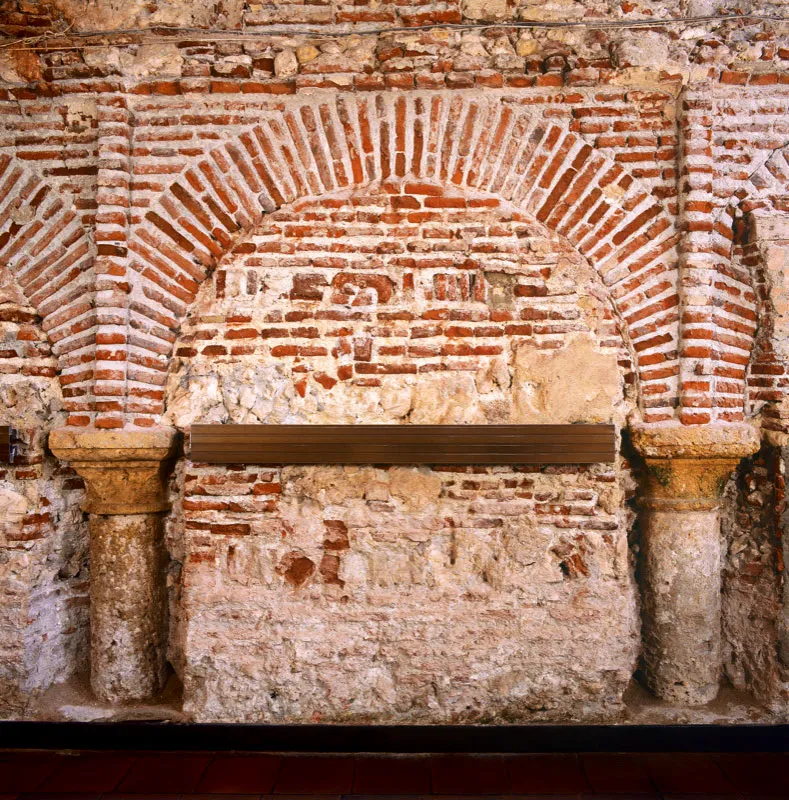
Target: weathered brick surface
[(754, 618), (250, 222), (449, 594), (43, 548)]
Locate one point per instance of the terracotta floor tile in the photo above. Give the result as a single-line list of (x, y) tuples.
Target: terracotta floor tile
[(165, 774), (356, 796), (240, 775), (315, 775), (392, 776), (470, 775), (24, 772), (87, 773), (698, 795), (757, 774), (222, 796), (617, 773), (60, 796), (546, 773), (306, 797), (619, 796), (687, 773), (134, 796)]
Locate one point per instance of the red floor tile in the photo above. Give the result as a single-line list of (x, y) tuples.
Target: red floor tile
[(687, 773), (87, 773), (467, 775), (617, 773), (61, 796), (392, 776), (698, 795), (222, 795), (146, 796), (757, 774), (165, 774), (551, 773), (315, 775), (240, 775), (24, 772)]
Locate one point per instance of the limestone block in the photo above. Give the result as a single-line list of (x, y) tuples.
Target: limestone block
[(575, 383), (286, 65), (306, 53), (106, 58), (671, 440), (446, 399), (13, 506), (484, 9), (643, 49), (124, 470), (159, 60), (416, 488)]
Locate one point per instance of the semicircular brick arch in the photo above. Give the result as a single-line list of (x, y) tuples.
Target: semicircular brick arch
[(726, 349), (494, 146), (762, 203), (44, 246)]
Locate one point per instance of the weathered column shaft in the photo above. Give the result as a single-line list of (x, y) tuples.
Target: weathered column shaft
[(681, 601), (124, 473), (128, 621), (680, 568)]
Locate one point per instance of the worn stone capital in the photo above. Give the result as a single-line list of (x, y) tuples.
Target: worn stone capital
[(687, 466), (124, 471)]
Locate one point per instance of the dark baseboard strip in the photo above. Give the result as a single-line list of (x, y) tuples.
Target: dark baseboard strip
[(394, 739)]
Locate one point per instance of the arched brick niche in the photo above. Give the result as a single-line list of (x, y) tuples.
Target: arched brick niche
[(447, 590), (43, 537), (432, 296), (498, 147)]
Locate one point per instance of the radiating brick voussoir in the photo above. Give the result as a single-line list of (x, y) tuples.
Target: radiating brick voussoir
[(499, 147), (45, 247)]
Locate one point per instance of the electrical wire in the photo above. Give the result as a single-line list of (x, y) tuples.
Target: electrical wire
[(231, 35)]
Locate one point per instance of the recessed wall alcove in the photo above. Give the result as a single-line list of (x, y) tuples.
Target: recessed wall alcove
[(448, 591)]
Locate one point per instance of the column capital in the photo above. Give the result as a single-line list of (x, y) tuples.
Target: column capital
[(124, 470), (688, 465)]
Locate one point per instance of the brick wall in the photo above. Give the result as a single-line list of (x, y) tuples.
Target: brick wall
[(250, 222), (43, 536), (402, 303)]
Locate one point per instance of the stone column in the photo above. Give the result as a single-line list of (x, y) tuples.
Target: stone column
[(687, 468), (125, 479)]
